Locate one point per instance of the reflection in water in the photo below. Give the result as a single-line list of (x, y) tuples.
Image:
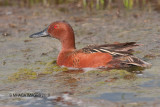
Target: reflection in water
[(69, 79)]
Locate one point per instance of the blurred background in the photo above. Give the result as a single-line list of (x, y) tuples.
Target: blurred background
[(28, 65), (87, 4)]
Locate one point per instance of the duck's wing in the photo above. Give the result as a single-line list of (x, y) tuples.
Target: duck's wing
[(113, 49), (121, 52)]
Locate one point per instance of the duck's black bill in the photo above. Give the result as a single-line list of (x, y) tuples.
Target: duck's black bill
[(43, 33)]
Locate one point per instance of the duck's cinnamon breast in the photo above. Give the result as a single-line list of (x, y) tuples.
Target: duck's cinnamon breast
[(84, 60)]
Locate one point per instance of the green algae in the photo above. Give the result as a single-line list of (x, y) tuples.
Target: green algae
[(137, 52), (51, 67), (120, 72), (29, 74), (130, 77), (40, 62), (112, 72), (96, 72), (12, 55), (37, 68), (99, 83), (111, 76), (23, 74)]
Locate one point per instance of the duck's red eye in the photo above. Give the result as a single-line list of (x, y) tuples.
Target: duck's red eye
[(55, 26)]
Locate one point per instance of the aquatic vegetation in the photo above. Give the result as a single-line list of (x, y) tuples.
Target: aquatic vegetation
[(29, 74), (99, 83), (84, 3), (51, 67), (40, 62), (23, 74), (110, 72), (90, 4), (114, 74), (111, 77), (128, 4), (130, 77)]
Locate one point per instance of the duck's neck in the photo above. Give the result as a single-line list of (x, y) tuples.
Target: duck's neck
[(68, 46), (68, 43)]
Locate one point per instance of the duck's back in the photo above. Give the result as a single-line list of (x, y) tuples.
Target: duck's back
[(96, 56)]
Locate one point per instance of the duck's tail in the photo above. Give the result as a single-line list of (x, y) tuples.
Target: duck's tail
[(132, 60)]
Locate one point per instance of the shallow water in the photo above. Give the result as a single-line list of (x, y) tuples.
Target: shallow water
[(124, 97), (77, 87)]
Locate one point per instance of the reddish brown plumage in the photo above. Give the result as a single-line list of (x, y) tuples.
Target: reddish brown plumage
[(83, 60)]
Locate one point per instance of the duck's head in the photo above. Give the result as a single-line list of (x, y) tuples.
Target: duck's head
[(60, 30)]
